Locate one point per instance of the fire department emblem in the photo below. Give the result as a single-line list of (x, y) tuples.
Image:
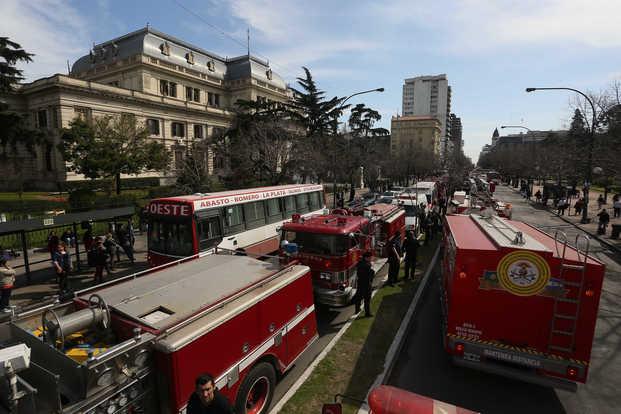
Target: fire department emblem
[(523, 273)]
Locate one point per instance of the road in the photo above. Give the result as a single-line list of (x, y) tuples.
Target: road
[(424, 368), (329, 322)]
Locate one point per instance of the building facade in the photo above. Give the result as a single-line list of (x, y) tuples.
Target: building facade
[(429, 96), (456, 142), (415, 134), (182, 93)]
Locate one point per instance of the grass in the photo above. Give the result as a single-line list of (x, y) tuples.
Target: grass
[(25, 196), (358, 358)]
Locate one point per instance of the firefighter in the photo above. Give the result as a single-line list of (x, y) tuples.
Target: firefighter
[(206, 399), (410, 249), (365, 277), (394, 261)]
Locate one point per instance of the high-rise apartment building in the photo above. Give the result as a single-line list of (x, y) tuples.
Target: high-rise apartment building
[(429, 96), (456, 142)]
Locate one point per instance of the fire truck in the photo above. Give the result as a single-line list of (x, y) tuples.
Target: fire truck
[(517, 301), (388, 222), (136, 346)]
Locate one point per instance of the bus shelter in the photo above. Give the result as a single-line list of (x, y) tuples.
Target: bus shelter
[(22, 228)]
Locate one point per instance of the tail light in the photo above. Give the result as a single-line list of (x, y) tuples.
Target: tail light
[(589, 293), (462, 275), (572, 372), (459, 348)]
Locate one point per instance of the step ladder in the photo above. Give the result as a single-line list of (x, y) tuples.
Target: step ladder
[(561, 243)]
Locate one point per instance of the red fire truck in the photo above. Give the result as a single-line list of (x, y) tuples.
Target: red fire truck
[(388, 221), (517, 301), (136, 346)]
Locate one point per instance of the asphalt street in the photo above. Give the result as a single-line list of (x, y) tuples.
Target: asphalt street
[(424, 368)]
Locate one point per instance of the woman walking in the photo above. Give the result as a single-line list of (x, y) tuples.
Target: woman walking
[(7, 279)]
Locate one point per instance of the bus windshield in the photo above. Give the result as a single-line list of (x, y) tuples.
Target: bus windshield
[(313, 243), (171, 237)]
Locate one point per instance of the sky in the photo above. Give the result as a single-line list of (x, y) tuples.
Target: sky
[(490, 50)]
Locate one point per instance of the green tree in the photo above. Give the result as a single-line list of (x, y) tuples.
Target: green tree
[(318, 116), (194, 175), (110, 146)]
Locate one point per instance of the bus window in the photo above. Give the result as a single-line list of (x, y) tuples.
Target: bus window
[(254, 214), (171, 237), (209, 233), (289, 206), (315, 203), (234, 219), (274, 212), (301, 202)]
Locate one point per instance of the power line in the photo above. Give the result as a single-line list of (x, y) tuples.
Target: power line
[(238, 41)]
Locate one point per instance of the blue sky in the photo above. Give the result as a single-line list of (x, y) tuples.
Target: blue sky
[(490, 50)]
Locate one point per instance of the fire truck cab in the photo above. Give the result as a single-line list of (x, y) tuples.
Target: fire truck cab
[(138, 345), (517, 301), (331, 245)]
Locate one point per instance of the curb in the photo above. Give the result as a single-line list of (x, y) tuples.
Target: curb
[(311, 367), (398, 341)]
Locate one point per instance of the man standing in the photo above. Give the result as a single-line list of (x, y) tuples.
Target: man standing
[(410, 248), (206, 399), (365, 277), (394, 261), (604, 219)]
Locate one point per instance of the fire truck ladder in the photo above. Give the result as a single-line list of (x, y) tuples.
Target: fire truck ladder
[(561, 242)]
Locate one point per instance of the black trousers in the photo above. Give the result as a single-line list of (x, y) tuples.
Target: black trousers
[(393, 270), (63, 283), (360, 296), (5, 295), (410, 268)]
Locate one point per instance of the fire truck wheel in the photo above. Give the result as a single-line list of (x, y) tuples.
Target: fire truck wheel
[(255, 393)]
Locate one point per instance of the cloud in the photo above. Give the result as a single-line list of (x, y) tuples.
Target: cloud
[(480, 25), (51, 29)]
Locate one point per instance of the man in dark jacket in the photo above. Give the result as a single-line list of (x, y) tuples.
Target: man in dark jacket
[(394, 261), (206, 399), (410, 248), (365, 276)]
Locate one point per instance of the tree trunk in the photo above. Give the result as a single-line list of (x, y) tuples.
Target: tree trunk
[(117, 183)]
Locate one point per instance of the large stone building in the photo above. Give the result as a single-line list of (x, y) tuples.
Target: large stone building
[(181, 92), (429, 96), (415, 134)]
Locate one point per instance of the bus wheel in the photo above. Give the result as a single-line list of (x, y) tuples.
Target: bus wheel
[(255, 393)]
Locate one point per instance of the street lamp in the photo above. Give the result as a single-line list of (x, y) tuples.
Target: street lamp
[(588, 177), (515, 126), (334, 153)]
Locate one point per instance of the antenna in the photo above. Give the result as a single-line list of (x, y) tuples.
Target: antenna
[(248, 40)]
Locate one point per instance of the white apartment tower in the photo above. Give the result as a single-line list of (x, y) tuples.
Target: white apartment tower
[(430, 96)]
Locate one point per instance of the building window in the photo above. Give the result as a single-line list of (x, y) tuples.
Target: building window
[(42, 118), (55, 121), (168, 88), (198, 131), (165, 49), (261, 99), (192, 94), (115, 83), (213, 99), (177, 129), (211, 65), (218, 162), (190, 58), (153, 126), (179, 155)]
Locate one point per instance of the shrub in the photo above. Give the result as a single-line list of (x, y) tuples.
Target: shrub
[(82, 199)]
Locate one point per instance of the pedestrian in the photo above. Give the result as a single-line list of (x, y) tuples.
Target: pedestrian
[(394, 261), (604, 219), (206, 398), (579, 206), (66, 237), (365, 276), (62, 266), (7, 280), (600, 202), (616, 207), (99, 257), (87, 239), (538, 196), (410, 249), (52, 242), (111, 246), (431, 226), (561, 206), (124, 240)]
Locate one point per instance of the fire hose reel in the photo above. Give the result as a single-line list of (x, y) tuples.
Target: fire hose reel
[(57, 328)]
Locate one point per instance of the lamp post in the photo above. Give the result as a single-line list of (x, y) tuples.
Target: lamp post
[(514, 126), (587, 180), (334, 153)]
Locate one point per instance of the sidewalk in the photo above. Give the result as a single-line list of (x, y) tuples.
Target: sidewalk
[(42, 285), (591, 227)]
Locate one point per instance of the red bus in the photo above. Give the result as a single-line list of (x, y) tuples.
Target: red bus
[(247, 219)]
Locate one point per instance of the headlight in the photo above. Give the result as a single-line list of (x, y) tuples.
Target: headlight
[(111, 409), (122, 401)]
